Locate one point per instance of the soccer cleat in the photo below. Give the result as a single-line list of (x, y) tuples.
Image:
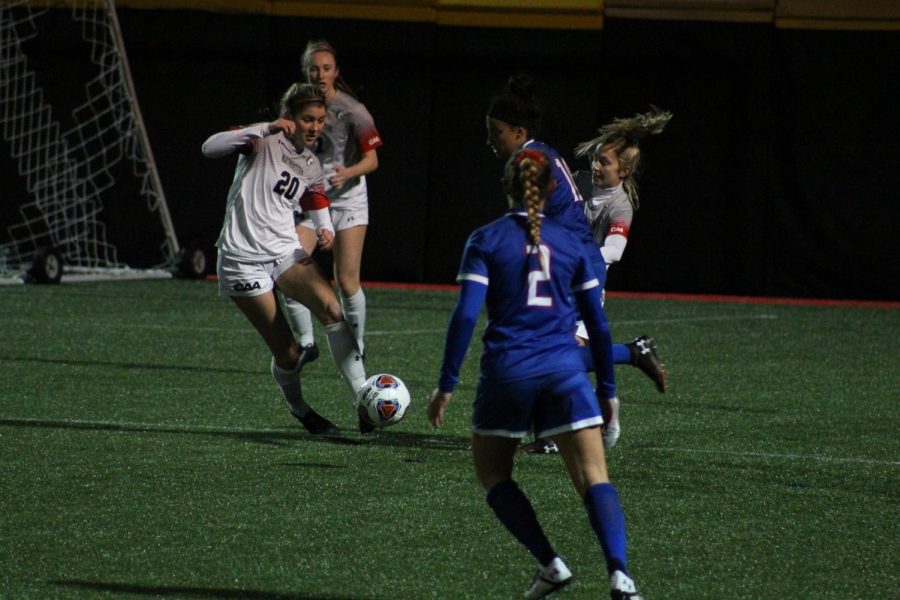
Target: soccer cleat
[(644, 357), (549, 580), (316, 424), (365, 426), (612, 430), (540, 446), (308, 354), (621, 587)]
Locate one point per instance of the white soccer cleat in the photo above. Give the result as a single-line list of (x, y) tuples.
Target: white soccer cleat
[(621, 587), (612, 431), (549, 579)]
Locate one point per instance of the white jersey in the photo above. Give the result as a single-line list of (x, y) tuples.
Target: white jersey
[(272, 179), (349, 133), (609, 213)]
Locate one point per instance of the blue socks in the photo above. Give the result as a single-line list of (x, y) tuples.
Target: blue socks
[(515, 512), (621, 355), (604, 512), (608, 522)]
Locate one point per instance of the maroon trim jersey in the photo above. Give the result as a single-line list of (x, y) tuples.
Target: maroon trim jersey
[(272, 180), (349, 133), (610, 213)]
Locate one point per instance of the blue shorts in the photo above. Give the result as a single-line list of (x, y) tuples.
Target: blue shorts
[(548, 405)]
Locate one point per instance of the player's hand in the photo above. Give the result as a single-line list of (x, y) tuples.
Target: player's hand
[(288, 126), (437, 405), (339, 178), (324, 238)]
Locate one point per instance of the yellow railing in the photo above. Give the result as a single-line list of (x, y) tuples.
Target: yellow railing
[(560, 14)]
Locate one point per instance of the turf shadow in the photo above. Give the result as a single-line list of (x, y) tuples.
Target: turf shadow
[(198, 592), (143, 366), (276, 437)]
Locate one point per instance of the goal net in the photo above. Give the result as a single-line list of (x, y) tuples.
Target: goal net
[(75, 153)]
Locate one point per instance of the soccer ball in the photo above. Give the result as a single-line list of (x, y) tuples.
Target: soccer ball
[(383, 400)]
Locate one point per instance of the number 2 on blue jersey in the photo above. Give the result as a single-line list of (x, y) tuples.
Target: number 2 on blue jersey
[(537, 276)]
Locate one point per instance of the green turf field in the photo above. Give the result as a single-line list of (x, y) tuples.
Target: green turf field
[(146, 453)]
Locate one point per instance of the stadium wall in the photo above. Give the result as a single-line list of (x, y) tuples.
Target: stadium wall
[(776, 176)]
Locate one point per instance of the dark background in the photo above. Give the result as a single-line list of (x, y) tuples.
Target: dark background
[(777, 176)]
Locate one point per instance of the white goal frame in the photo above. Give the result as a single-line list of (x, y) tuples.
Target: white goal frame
[(66, 171)]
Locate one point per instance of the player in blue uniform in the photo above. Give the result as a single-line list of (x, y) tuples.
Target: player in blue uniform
[(530, 270), (513, 118)]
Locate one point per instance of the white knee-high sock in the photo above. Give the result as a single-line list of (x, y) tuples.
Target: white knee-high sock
[(355, 313), (300, 319), (289, 382), (346, 355)]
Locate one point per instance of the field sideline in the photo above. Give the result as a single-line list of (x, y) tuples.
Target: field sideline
[(146, 453)]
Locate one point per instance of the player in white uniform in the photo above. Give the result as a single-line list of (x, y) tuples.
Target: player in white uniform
[(611, 190), (258, 247), (348, 153)]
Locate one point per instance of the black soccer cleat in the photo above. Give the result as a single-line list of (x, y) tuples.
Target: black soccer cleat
[(644, 357), (316, 424), (308, 354), (365, 425), (540, 446), (620, 595)]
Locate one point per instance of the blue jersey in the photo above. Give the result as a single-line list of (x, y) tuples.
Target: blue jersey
[(566, 206), (531, 315)]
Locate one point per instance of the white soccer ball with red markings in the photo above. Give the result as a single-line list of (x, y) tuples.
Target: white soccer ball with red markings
[(383, 400)]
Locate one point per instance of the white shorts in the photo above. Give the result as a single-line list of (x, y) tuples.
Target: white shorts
[(342, 218), (243, 278)]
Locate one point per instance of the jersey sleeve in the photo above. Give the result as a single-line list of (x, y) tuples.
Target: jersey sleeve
[(586, 288), (314, 203), (616, 235), (234, 140), (473, 291), (367, 136), (459, 332), (314, 198), (564, 192), (474, 265)]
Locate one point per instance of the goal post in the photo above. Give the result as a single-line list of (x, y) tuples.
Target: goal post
[(72, 151)]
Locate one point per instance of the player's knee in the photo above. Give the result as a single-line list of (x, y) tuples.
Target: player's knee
[(332, 312), (349, 285)]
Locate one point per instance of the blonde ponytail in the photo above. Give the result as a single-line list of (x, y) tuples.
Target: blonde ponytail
[(624, 136)]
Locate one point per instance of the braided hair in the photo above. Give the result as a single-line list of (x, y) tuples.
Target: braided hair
[(527, 181), (624, 136)]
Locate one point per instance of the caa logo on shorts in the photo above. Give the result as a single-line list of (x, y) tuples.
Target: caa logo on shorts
[(246, 287)]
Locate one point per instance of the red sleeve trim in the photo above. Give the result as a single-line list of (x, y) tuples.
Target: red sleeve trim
[(618, 228), (314, 200), (369, 141)]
